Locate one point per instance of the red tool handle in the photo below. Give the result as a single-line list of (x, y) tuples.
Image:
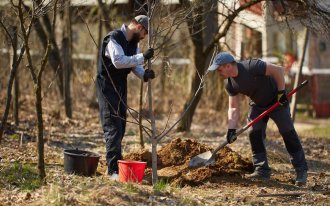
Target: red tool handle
[(262, 115)]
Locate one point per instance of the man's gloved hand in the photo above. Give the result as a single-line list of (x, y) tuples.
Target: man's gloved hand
[(231, 135), (282, 98), (148, 54), (148, 74)]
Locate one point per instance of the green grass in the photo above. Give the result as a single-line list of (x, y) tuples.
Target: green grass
[(23, 176), (317, 132), (14, 137), (160, 186), (130, 188)]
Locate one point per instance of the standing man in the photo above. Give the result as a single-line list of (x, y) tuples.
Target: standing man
[(119, 55), (264, 84)]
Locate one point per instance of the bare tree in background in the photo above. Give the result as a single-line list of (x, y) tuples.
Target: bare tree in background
[(43, 28), (11, 32), (36, 11), (67, 57)]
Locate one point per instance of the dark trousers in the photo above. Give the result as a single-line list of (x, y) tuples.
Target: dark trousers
[(112, 106), (257, 134)]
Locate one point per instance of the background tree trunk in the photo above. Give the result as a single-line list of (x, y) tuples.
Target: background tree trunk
[(40, 130), (16, 80), (195, 26), (16, 99), (67, 59), (14, 65), (298, 76)]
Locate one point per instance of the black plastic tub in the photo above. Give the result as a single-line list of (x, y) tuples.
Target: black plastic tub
[(80, 162)]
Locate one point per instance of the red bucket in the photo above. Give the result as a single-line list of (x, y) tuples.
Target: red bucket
[(131, 171)]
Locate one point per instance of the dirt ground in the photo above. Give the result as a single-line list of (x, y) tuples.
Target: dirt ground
[(220, 184)]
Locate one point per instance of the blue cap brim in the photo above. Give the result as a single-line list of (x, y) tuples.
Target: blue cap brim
[(213, 67)]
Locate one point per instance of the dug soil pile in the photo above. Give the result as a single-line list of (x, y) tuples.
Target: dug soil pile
[(174, 157)]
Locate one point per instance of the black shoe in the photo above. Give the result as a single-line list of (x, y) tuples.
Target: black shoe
[(259, 175), (301, 178)]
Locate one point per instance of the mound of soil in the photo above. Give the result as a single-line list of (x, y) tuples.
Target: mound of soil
[(174, 157)]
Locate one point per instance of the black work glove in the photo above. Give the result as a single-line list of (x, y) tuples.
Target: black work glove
[(231, 135), (282, 98), (148, 74), (148, 54)]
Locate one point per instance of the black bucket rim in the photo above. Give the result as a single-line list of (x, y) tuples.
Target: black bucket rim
[(72, 152)]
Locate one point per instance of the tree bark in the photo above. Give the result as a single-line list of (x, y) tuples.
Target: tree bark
[(298, 76), (37, 77), (16, 99), (154, 140), (14, 65), (40, 130), (140, 116), (67, 60)]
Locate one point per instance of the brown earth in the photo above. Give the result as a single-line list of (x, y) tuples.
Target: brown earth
[(173, 159), (220, 184)]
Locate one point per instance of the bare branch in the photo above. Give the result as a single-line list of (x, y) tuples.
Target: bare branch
[(90, 34), (44, 59), (7, 32), (25, 34)]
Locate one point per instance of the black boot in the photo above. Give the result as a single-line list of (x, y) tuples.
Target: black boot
[(259, 175), (301, 178)]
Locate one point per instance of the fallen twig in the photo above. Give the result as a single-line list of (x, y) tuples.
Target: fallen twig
[(281, 194)]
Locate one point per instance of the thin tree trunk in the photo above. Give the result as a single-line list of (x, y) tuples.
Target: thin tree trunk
[(37, 77), (298, 76), (16, 80), (40, 130), (154, 140), (67, 60), (140, 116), (14, 64), (16, 99)]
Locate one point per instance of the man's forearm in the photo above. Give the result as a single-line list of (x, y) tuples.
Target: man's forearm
[(233, 117)]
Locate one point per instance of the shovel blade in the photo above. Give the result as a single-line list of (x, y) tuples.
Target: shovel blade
[(201, 160)]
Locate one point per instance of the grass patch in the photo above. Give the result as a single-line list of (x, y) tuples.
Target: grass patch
[(23, 176), (317, 132), (130, 188), (14, 137), (160, 186)]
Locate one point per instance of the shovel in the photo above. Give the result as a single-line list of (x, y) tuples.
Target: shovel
[(208, 158)]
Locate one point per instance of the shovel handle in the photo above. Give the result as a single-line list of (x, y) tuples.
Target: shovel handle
[(262, 115), (218, 148)]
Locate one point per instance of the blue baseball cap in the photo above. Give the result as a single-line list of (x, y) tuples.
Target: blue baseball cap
[(221, 58)]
